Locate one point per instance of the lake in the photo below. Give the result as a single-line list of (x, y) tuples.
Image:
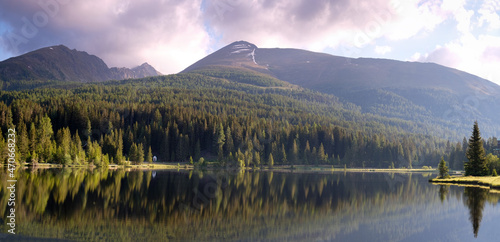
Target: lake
[(246, 205)]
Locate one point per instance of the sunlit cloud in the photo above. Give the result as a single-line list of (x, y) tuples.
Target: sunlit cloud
[(172, 34)]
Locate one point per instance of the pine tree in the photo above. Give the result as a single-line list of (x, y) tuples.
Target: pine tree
[(476, 166), (307, 152), (294, 156), (229, 145), (271, 160), (149, 156), (45, 145), (322, 156), (23, 142), (283, 154), (443, 169), (256, 158), (140, 153), (32, 138), (133, 153), (165, 146), (220, 140), (77, 152)]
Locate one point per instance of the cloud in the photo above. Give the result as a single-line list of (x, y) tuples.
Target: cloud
[(305, 24), (489, 14), (167, 34), (172, 34), (317, 25), (382, 50), (479, 56)]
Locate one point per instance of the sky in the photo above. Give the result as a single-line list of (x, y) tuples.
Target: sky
[(172, 34)]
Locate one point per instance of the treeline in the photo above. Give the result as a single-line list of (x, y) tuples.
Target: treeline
[(179, 117)]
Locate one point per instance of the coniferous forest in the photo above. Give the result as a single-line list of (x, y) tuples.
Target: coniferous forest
[(188, 116)]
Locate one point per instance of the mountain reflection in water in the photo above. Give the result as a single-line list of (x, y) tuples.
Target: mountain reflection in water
[(219, 205)]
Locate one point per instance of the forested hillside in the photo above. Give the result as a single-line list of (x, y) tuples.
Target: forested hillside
[(193, 115), (424, 93)]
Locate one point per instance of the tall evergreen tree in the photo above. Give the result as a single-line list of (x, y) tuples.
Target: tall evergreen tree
[(476, 166), (294, 156), (133, 155), (220, 140), (307, 152), (443, 169), (149, 156), (271, 160), (140, 153), (283, 154)]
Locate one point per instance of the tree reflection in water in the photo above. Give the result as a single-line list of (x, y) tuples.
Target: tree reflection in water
[(475, 199), (443, 191), (220, 205)]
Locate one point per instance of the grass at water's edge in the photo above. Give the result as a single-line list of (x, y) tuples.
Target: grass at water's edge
[(214, 166), (490, 182)]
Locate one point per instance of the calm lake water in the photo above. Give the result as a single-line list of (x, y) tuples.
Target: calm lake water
[(249, 206)]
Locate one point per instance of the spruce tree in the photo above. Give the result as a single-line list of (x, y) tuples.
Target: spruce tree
[(140, 153), (149, 156), (220, 140), (443, 168), (133, 155), (476, 166), (294, 156)]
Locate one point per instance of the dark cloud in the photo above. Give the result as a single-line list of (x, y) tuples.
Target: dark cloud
[(295, 23), (123, 33)]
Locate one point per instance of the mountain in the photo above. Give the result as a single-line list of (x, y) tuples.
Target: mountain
[(241, 106), (425, 93), (59, 63)]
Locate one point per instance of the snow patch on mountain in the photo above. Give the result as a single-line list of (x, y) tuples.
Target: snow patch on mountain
[(239, 51), (239, 48), (253, 56)]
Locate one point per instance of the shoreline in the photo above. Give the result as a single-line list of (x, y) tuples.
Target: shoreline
[(187, 166), (487, 182)]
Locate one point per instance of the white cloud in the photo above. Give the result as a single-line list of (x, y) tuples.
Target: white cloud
[(382, 50), (319, 24), (414, 17), (489, 14), (479, 56)]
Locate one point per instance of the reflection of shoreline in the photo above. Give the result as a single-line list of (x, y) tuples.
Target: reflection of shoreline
[(321, 169), (119, 203), (112, 205)]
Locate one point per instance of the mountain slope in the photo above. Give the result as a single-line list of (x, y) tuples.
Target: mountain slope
[(62, 64), (421, 92)]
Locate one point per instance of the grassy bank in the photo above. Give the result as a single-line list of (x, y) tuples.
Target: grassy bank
[(491, 182)]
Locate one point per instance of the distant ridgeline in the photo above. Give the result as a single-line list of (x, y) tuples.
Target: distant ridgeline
[(239, 106), (58, 64)]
